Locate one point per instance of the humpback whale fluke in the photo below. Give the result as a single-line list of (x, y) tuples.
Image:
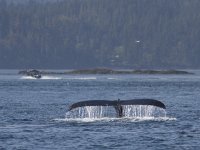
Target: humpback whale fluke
[(117, 104)]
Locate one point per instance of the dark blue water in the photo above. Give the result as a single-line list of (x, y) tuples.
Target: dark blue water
[(32, 112)]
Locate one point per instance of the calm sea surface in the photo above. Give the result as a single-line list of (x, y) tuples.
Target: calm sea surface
[(33, 112)]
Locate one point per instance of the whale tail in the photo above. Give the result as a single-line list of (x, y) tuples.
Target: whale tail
[(117, 104)]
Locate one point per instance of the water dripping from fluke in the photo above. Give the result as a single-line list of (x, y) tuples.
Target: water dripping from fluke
[(129, 111)]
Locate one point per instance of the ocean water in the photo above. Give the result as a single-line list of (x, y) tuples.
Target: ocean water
[(33, 112)]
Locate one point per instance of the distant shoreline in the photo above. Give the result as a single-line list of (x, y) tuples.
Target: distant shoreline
[(111, 71)]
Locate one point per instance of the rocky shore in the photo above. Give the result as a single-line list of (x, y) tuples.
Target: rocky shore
[(112, 71)]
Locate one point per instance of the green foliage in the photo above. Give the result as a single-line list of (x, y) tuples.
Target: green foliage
[(100, 33)]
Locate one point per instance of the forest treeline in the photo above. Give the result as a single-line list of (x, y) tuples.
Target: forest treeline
[(100, 33)]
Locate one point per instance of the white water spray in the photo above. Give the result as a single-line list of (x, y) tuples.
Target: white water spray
[(143, 111), (129, 111)]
